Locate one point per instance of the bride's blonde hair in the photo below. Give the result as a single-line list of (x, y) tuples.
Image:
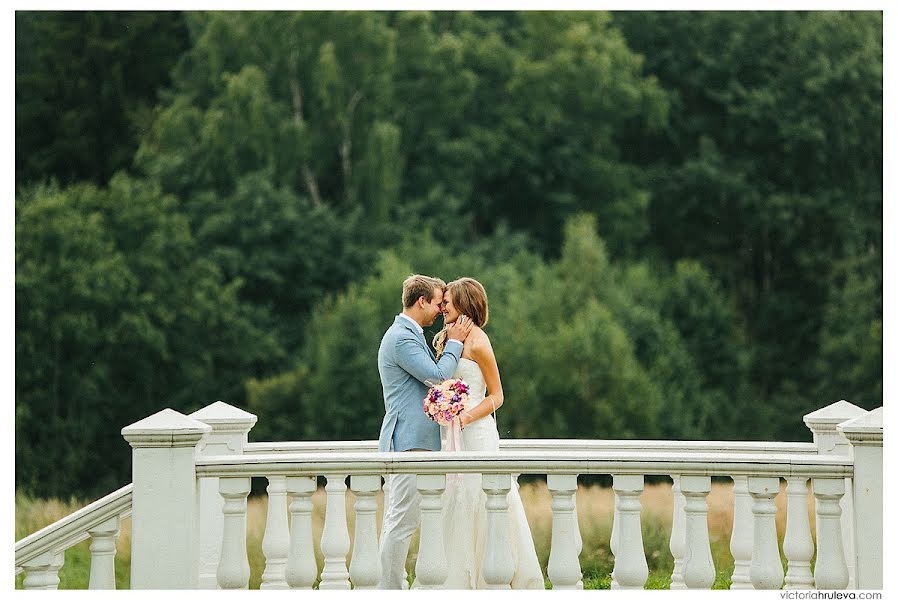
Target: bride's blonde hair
[(469, 298)]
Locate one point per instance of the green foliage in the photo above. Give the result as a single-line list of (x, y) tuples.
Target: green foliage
[(850, 365), (673, 212), (768, 173), (86, 83), (563, 335), (116, 318)]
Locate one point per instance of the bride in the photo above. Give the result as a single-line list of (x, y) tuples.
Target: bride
[(465, 502)]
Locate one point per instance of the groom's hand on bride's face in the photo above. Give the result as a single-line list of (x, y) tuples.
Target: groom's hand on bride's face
[(460, 329)]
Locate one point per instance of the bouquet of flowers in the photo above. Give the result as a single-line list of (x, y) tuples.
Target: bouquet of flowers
[(446, 400)]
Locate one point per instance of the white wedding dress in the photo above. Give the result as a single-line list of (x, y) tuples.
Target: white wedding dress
[(464, 506)]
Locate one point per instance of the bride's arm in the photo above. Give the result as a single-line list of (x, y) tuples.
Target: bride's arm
[(482, 353)]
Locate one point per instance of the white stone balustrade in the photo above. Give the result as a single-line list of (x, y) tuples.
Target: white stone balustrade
[(698, 566), (498, 566), (742, 537), (564, 563), (335, 537), (766, 566), (678, 535), (42, 572), (176, 458), (431, 570), (102, 554), (823, 424), (364, 567), (230, 427), (613, 542), (578, 539), (276, 540), (233, 566), (164, 523), (831, 569), (630, 567), (798, 546), (865, 435), (301, 570)]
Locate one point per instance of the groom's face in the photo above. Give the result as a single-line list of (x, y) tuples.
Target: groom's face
[(433, 308)]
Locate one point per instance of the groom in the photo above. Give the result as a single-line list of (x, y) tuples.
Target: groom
[(405, 362)]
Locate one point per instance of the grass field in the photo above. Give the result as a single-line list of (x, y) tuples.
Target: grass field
[(595, 506)]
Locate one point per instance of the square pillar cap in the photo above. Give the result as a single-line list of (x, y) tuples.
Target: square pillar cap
[(826, 418), (167, 429), (223, 417), (863, 429)]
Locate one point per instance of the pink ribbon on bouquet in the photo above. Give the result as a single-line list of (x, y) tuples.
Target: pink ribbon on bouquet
[(453, 444)]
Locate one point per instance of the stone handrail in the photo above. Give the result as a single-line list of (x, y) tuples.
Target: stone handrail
[(100, 520), (579, 462), (717, 447)]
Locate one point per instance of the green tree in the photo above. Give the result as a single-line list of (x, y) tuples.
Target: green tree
[(580, 354), (86, 83), (769, 172), (116, 318), (298, 93), (276, 138)]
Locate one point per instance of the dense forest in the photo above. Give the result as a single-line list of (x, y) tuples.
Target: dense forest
[(677, 217)]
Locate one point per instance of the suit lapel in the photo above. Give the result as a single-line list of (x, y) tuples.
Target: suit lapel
[(428, 348), (419, 334)]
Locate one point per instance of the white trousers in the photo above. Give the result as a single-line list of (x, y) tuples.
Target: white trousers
[(402, 516)]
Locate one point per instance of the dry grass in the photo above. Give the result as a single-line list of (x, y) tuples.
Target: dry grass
[(595, 506)]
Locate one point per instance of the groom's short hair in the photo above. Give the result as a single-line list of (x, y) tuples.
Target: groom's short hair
[(416, 286)]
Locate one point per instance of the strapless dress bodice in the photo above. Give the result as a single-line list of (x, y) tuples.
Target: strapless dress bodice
[(469, 370)]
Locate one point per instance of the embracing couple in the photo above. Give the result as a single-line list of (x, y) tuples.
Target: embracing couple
[(405, 363)]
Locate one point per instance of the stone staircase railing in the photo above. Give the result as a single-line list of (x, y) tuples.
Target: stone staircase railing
[(40, 554)]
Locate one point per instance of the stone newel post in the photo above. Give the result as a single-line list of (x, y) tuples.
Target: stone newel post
[(865, 435), (230, 429), (822, 424), (164, 517)]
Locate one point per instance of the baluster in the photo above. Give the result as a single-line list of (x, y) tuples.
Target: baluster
[(498, 566), (798, 545), (42, 572), (614, 543), (233, 567), (578, 539), (698, 566), (831, 570), (276, 541), (564, 563), (335, 537), (102, 554), (301, 570), (847, 506), (766, 566), (431, 569), (678, 535), (742, 538), (630, 567), (364, 567)]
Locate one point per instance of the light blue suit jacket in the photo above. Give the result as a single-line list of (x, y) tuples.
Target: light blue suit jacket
[(405, 362)]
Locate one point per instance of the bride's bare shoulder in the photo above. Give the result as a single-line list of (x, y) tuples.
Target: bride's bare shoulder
[(480, 341), (478, 335)]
